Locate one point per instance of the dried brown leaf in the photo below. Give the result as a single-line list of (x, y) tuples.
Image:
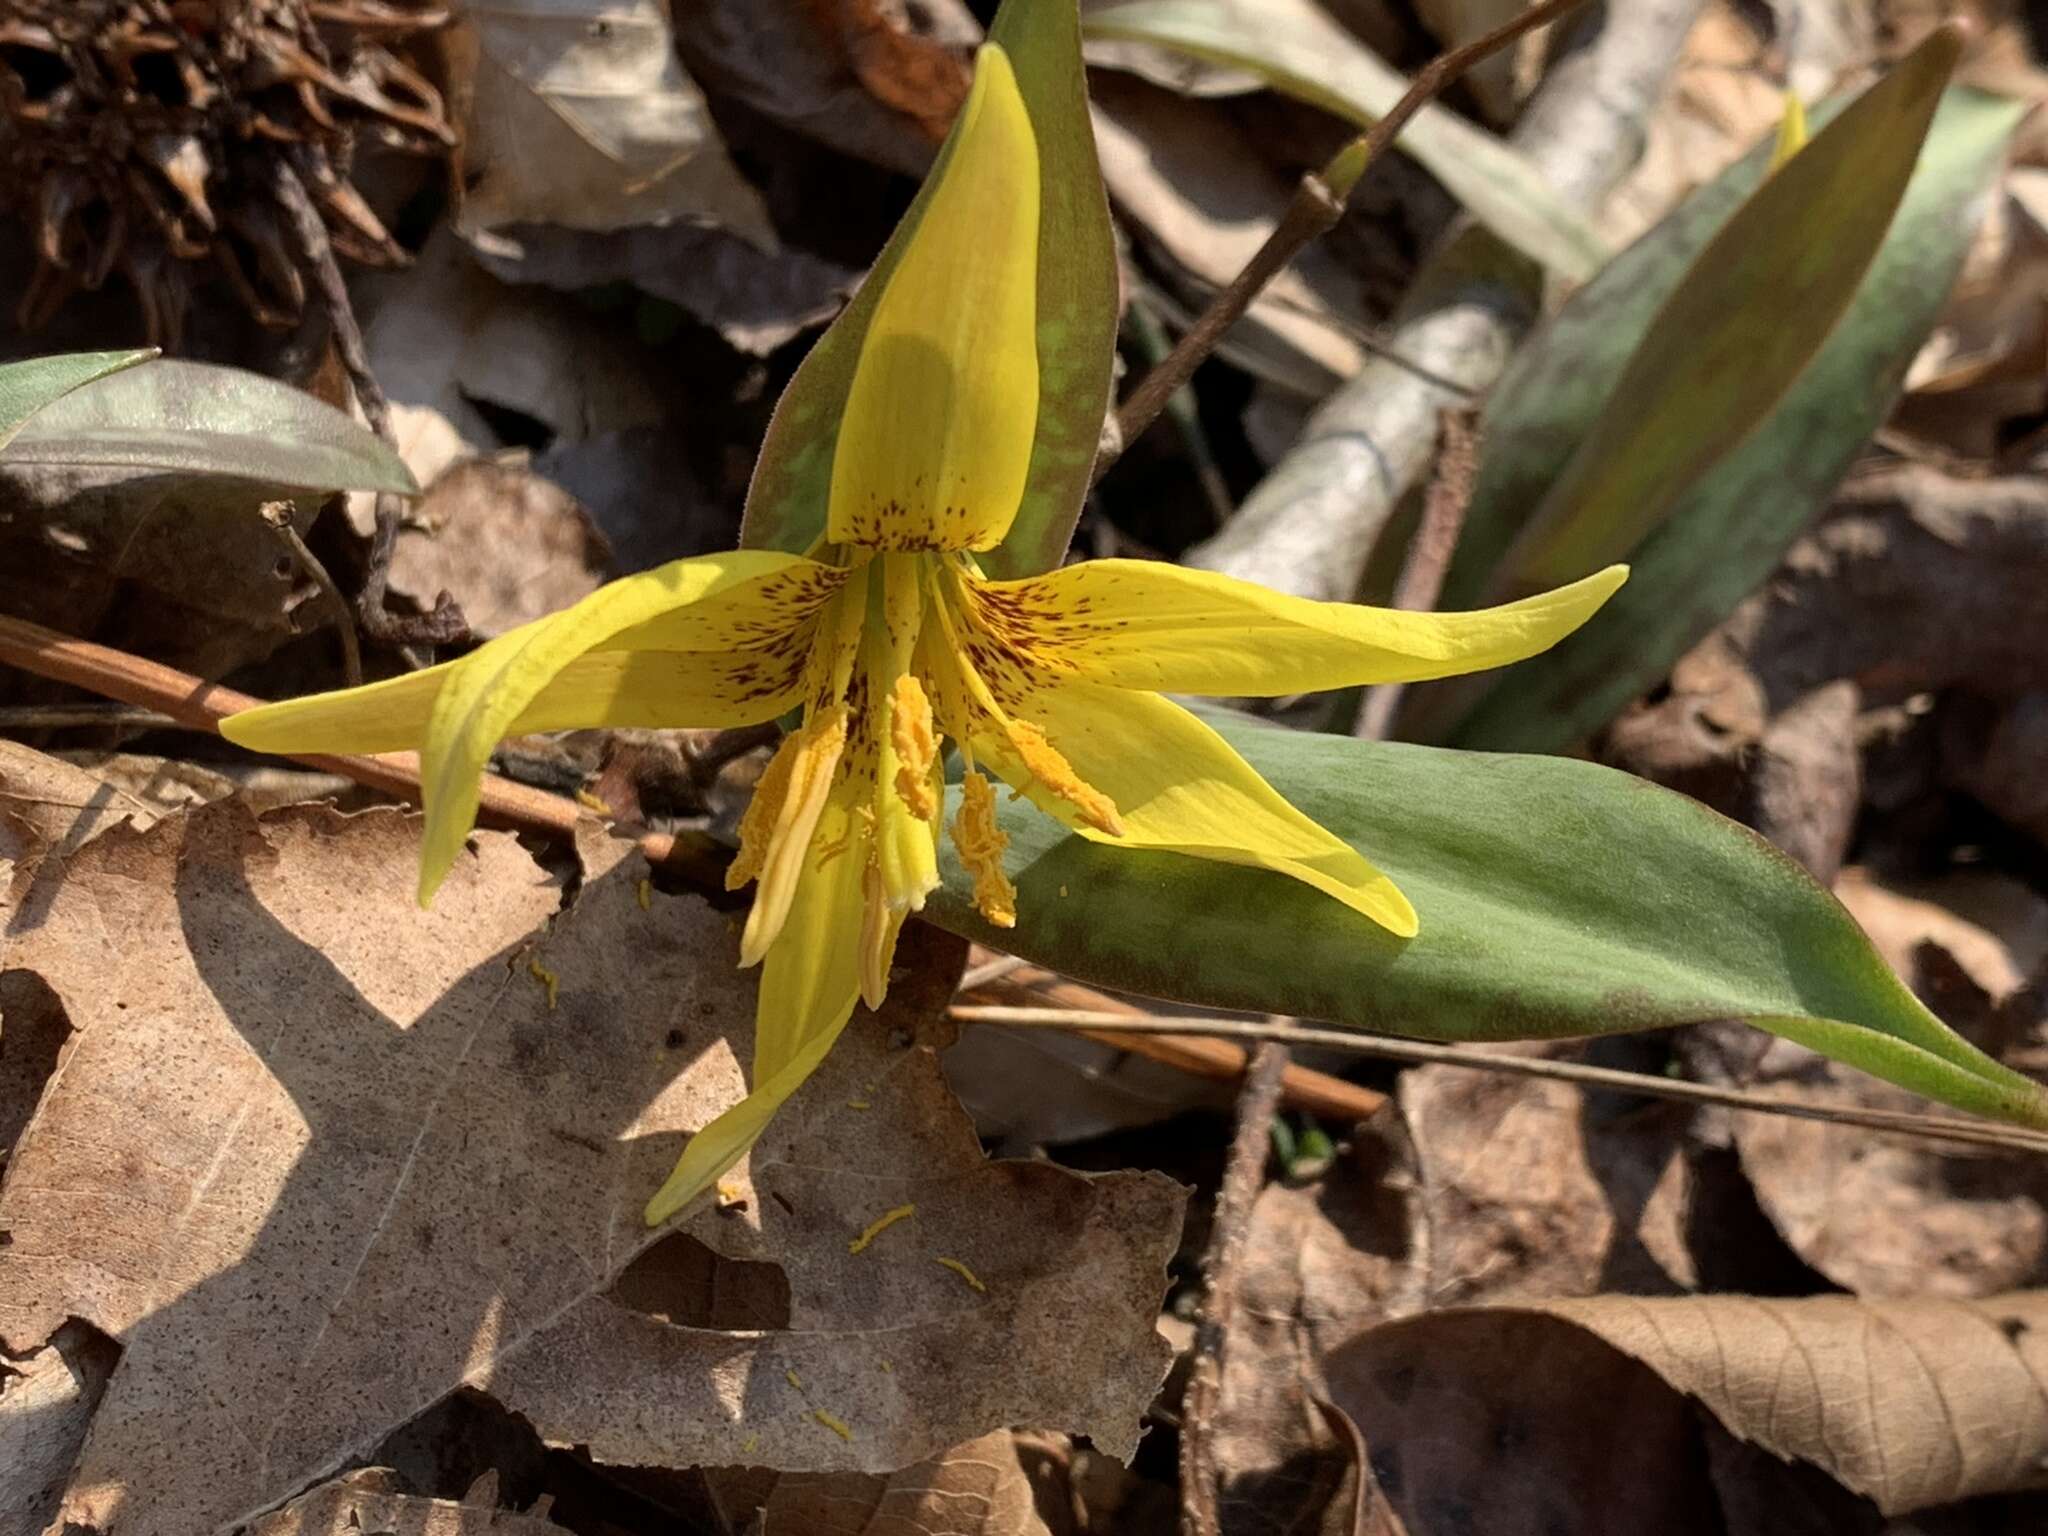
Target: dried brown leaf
[(316, 1158), (363, 1502), (583, 116), (982, 1488), (509, 545), (1321, 1262), (1573, 1414)]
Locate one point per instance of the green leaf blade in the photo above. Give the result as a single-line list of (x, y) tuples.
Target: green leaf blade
[(1751, 313), (1077, 318), (172, 417), (1558, 899), (32, 385), (1301, 53), (1725, 534)]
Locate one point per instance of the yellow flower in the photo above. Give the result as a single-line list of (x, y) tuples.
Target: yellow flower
[(892, 641)]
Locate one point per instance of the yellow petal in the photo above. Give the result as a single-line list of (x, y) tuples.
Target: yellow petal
[(485, 695), (1146, 624), (1180, 787), (937, 432), (632, 688), (808, 988)]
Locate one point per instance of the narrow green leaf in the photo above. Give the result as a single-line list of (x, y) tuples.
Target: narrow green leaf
[(1300, 52), (1557, 898), (1728, 531), (1077, 314), (1748, 317), (170, 417), (27, 387)]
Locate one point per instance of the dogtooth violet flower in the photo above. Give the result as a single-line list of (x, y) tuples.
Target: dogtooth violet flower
[(891, 641)]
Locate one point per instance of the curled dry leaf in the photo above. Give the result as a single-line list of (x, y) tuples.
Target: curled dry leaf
[(366, 1501), (509, 545), (316, 1158), (583, 117), (1573, 1415)]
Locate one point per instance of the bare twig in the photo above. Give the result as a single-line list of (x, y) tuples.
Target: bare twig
[(1242, 1177), (1314, 211), (277, 517), (1428, 560), (195, 703), (1981, 1133), (445, 625), (1310, 526), (1010, 980), (51, 717)]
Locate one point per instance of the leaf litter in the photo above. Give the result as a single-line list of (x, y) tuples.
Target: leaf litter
[(315, 1158)]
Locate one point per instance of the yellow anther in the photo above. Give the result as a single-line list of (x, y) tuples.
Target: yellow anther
[(879, 1225), (546, 978), (859, 1104), (876, 932), (747, 1445), (917, 747), (813, 764), (758, 820), (730, 1193), (981, 843), (592, 802), (1046, 765), (644, 893), (837, 1425), (793, 1379), (962, 1271)]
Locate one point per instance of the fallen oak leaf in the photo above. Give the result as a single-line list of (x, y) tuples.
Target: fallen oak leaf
[(316, 1158), (1516, 1413)]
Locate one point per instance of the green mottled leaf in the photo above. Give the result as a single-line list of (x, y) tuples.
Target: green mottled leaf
[(1726, 532), (1077, 314), (1743, 323), (169, 417), (27, 387), (1557, 898), (1300, 52)]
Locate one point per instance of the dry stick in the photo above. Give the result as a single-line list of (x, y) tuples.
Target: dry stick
[(50, 717), (1010, 980), (1310, 526), (1242, 1177), (445, 625), (277, 517), (1428, 560), (1898, 1122), (1314, 212), (194, 702)]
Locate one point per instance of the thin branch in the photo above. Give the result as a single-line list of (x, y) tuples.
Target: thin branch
[(445, 625), (1243, 1177), (199, 705), (1011, 980), (1428, 560), (1313, 212), (51, 717), (1984, 1133), (277, 517)]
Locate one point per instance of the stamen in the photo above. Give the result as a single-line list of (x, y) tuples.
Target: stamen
[(874, 939), (813, 766), (982, 844), (917, 747), (757, 822), (1057, 774)]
